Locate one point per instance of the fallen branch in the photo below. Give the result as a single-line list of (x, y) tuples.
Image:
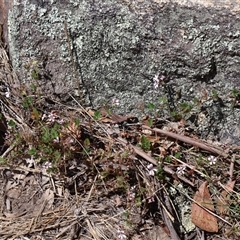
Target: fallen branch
[(192, 141)]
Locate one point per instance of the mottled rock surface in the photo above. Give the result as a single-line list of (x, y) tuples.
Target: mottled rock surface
[(169, 54)]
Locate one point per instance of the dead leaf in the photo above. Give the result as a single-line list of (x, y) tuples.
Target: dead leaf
[(200, 217), (222, 202), (73, 129), (118, 201), (14, 193)]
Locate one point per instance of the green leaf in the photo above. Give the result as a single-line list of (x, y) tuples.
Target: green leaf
[(32, 151), (77, 122), (163, 100), (168, 159), (11, 123), (150, 122), (145, 144), (150, 106), (27, 102), (177, 155), (185, 107), (214, 94), (33, 87), (97, 115), (35, 73), (2, 160)]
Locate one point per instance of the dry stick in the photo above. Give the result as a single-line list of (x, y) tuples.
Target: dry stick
[(189, 140), (232, 167), (92, 230), (170, 226), (141, 153), (66, 229)]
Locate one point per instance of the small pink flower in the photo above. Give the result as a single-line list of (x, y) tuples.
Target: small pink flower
[(47, 165), (151, 169), (61, 121), (56, 140), (212, 160), (121, 234), (115, 102), (181, 170), (151, 199), (52, 117), (7, 93), (131, 196)]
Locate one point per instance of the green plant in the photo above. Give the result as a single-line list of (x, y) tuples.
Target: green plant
[(178, 155), (236, 97), (35, 73), (163, 100), (176, 115), (121, 182), (145, 143), (235, 93), (27, 102), (160, 174), (97, 115), (215, 94), (150, 106), (150, 122), (185, 107)]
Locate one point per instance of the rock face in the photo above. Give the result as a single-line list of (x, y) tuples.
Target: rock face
[(140, 57)]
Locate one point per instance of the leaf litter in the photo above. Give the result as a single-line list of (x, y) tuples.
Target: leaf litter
[(75, 174)]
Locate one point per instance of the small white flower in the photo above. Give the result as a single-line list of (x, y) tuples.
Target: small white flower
[(47, 165), (7, 93), (115, 102), (52, 117), (151, 169), (43, 116), (162, 77), (212, 160), (56, 140), (121, 234), (61, 121), (181, 170), (132, 188), (151, 199), (131, 196)]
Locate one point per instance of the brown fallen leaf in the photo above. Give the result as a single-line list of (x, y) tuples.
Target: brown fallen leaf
[(223, 201), (200, 217)]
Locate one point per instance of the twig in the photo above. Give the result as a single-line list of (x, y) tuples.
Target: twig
[(170, 226), (92, 230), (189, 140), (232, 167)]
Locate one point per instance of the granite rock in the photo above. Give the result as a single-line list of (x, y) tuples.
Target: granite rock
[(136, 53)]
